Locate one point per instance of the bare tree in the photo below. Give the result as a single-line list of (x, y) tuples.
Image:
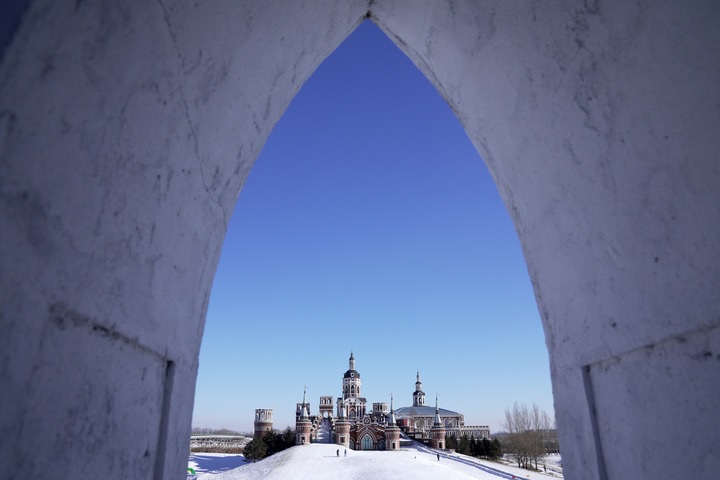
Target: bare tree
[(527, 433)]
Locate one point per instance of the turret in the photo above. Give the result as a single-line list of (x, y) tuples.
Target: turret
[(342, 428), (263, 422), (438, 431), (392, 431), (303, 426)]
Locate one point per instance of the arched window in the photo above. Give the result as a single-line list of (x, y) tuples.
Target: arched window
[(366, 443)]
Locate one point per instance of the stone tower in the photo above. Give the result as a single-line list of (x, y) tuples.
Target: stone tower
[(437, 432), (342, 429), (418, 394), (303, 426), (263, 422)]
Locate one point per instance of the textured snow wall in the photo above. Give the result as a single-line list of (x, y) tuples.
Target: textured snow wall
[(127, 129)]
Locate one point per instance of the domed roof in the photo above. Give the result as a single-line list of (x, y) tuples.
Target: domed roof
[(351, 374)]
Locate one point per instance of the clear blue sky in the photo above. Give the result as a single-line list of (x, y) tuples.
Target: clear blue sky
[(370, 223)]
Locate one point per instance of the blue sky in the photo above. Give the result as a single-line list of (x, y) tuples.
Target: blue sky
[(370, 223)]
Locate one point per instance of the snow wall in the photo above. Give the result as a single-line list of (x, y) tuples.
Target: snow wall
[(127, 129)]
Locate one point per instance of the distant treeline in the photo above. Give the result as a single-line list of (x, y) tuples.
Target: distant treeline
[(483, 448), (217, 431), (216, 449)]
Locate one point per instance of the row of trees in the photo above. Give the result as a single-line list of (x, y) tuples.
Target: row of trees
[(529, 434), (213, 431), (485, 447), (269, 444)]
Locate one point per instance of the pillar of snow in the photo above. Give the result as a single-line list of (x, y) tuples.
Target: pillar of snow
[(128, 128)]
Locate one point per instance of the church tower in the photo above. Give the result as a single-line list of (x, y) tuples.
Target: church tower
[(418, 394), (351, 401), (351, 380), (303, 426), (437, 432)]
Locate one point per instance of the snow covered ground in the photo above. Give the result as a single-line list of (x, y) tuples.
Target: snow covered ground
[(320, 462)]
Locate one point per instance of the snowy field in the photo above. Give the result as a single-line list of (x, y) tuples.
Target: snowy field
[(320, 462)]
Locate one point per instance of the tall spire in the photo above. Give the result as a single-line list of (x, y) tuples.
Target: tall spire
[(437, 421), (352, 361), (304, 412), (391, 418)]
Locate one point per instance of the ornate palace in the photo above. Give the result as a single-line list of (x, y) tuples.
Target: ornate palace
[(354, 427)]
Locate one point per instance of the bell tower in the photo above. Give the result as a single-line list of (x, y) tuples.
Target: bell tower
[(351, 401), (418, 394)]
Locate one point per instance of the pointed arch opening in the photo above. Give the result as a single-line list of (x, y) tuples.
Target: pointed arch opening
[(363, 176)]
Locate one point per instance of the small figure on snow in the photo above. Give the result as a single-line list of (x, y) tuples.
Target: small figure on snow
[(337, 452), (346, 452), (438, 455)]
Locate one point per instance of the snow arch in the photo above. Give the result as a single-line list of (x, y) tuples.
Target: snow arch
[(128, 129)]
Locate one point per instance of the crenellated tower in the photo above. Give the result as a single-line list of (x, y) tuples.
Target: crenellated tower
[(263, 422), (342, 429)]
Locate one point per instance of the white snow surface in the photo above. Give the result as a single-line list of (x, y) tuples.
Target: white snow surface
[(320, 462)]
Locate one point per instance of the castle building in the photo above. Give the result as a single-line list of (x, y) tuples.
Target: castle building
[(418, 420), (379, 429)]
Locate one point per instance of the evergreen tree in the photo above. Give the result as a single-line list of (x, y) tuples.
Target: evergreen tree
[(271, 441), (464, 446), (288, 438), (255, 450), (451, 442), (494, 449), (479, 449)]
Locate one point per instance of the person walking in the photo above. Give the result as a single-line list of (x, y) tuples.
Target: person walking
[(337, 452), (438, 455), (346, 452)]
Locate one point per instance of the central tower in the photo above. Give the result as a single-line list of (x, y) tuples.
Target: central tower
[(351, 380), (351, 403)]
